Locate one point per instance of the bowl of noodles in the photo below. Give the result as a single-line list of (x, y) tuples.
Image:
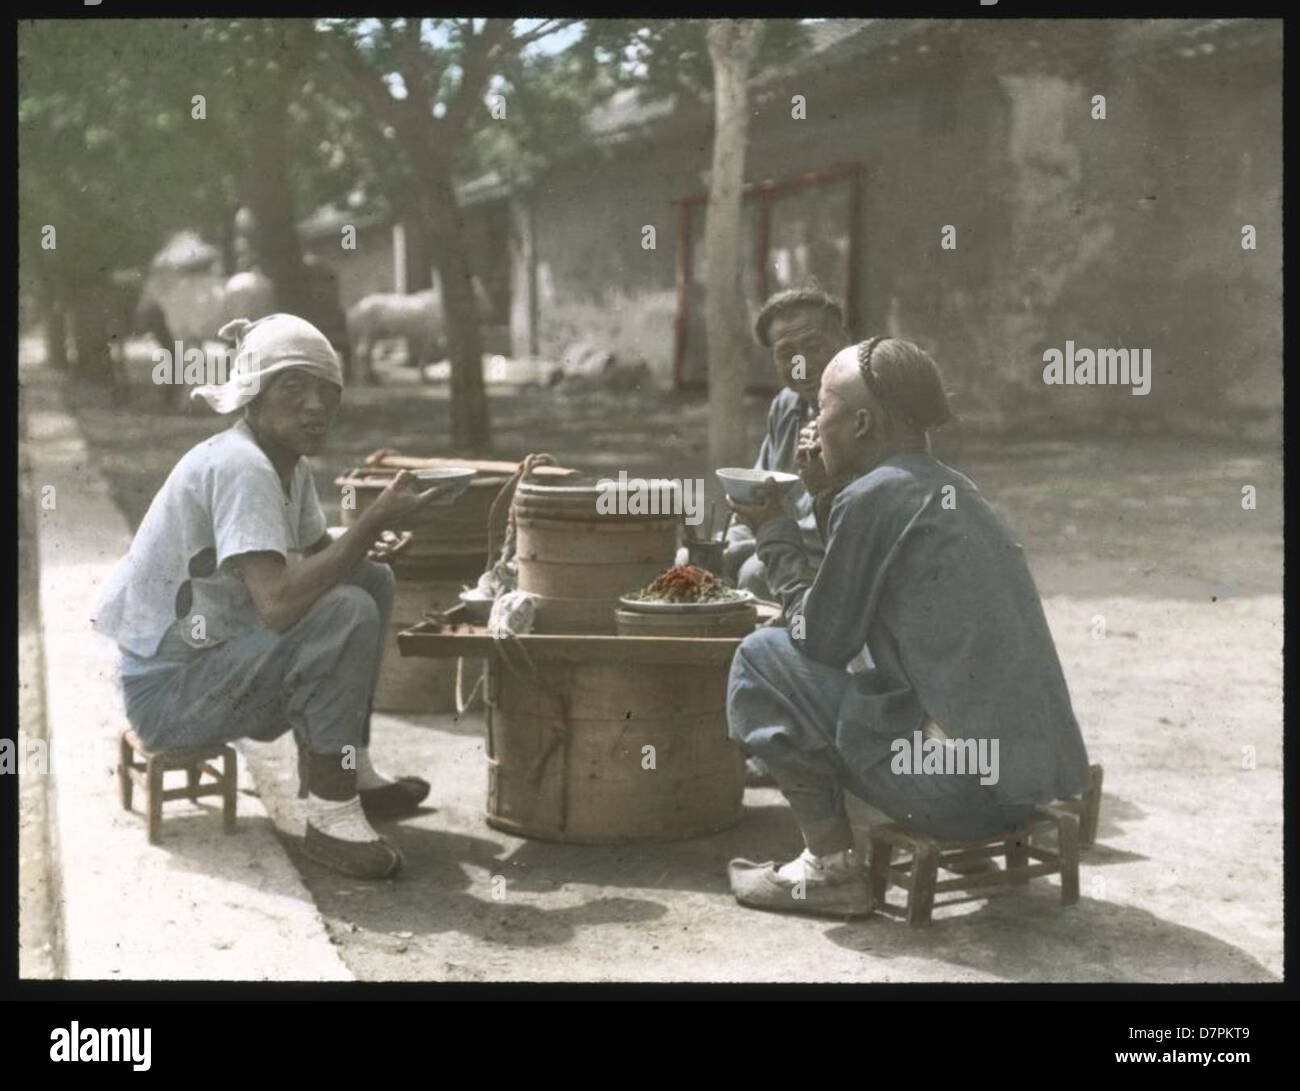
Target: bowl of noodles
[(685, 589)]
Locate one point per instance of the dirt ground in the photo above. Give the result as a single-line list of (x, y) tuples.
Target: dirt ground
[(1180, 699)]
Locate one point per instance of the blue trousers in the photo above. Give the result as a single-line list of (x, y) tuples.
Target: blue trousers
[(317, 677), (783, 707)]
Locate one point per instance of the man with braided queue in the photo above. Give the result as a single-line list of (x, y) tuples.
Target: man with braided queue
[(921, 620)]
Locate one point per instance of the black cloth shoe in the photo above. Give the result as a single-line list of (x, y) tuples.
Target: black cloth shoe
[(397, 800), (359, 859)]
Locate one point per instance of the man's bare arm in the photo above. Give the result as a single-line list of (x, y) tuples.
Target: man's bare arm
[(320, 545), (283, 594)]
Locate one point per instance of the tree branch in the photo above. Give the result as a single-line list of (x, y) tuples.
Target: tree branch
[(550, 26), (367, 84), (419, 71), (480, 51)]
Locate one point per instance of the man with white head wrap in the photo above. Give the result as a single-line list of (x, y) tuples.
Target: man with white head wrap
[(238, 617)]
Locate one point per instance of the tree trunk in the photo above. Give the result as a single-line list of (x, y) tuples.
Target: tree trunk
[(90, 336), (419, 262), (418, 270), (733, 44), (229, 259), (470, 427), (269, 197)]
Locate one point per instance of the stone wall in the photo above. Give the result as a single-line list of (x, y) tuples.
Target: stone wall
[(1115, 233)]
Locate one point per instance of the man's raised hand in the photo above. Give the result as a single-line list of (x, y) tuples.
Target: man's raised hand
[(401, 499), (755, 515), (808, 460)]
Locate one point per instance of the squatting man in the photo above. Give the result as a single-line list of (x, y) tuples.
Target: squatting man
[(237, 616), (921, 616)]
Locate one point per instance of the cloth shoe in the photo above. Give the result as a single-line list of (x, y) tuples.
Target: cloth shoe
[(808, 884), (396, 800), (351, 846)]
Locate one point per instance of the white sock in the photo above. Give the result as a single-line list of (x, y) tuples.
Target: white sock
[(344, 820), (835, 867), (367, 775)]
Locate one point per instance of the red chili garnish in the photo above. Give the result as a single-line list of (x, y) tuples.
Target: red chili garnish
[(683, 583)]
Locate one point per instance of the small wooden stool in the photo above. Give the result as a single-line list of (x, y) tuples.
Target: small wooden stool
[(1086, 806), (194, 760), (919, 874)]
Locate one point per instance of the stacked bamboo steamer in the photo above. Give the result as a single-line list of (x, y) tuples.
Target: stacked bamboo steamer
[(576, 560)]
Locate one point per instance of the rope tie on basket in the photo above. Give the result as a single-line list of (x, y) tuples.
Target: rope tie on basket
[(464, 703), (505, 495)]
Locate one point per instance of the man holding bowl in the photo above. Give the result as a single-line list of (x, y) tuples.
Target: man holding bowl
[(922, 617), (803, 328), (237, 615)]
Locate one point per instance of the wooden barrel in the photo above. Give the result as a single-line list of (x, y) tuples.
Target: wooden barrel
[(444, 531), (423, 686), (576, 560), (737, 622), (645, 757)]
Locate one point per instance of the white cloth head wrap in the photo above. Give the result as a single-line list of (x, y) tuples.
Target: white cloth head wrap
[(262, 348)]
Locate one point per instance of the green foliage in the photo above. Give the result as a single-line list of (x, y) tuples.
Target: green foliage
[(111, 156), (107, 151), (398, 90), (548, 96), (110, 153)]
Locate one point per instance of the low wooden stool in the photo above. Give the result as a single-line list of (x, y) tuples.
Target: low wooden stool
[(1086, 806), (194, 760), (919, 874)]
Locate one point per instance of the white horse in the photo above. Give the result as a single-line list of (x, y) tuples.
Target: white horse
[(416, 318), (384, 316)]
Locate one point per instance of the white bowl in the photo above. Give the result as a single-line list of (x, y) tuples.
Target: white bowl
[(454, 479), (745, 486)]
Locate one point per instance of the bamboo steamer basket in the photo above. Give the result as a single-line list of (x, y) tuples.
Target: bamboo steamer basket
[(576, 561)]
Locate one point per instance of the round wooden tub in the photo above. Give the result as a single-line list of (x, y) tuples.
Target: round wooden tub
[(609, 746)]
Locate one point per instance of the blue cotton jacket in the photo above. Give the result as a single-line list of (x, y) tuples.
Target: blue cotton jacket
[(925, 584)]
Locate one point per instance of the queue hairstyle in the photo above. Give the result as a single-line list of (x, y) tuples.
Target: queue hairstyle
[(906, 381)]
